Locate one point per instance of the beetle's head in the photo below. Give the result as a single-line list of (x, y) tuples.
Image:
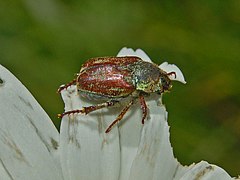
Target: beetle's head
[(165, 82)]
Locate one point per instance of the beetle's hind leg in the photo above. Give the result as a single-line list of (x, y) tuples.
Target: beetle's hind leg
[(86, 110), (70, 112), (89, 109), (120, 116)]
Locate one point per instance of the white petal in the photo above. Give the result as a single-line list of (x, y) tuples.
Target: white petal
[(28, 138), (130, 52), (4, 174), (205, 171), (126, 52), (154, 158), (129, 130), (173, 68), (87, 152)]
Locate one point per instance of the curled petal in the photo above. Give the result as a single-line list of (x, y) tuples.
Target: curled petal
[(173, 68), (130, 52)]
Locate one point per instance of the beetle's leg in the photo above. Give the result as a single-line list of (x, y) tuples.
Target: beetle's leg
[(89, 109), (143, 106), (171, 73), (70, 112), (120, 116), (66, 86), (86, 110)]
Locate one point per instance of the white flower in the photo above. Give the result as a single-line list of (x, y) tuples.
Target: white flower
[(31, 147)]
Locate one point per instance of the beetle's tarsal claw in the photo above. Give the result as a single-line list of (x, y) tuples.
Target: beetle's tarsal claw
[(66, 86), (60, 115), (60, 89), (81, 111), (108, 130)]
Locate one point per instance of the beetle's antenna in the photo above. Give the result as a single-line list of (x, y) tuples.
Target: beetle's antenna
[(66, 86), (171, 73)]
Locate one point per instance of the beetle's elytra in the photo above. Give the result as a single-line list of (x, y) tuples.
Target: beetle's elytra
[(115, 78)]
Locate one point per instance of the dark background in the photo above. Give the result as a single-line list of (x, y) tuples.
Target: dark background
[(44, 42)]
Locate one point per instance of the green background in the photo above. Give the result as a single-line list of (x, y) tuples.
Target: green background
[(44, 42)]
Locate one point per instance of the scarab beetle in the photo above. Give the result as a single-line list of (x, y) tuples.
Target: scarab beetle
[(116, 79)]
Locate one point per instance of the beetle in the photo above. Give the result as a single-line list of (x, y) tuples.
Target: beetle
[(117, 78)]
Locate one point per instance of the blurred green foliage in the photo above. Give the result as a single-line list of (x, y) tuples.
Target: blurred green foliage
[(44, 42)]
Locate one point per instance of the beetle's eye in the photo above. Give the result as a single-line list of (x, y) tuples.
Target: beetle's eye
[(165, 83)]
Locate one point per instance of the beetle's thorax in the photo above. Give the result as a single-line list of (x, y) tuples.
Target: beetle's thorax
[(146, 76)]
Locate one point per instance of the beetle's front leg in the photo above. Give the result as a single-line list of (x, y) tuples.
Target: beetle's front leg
[(86, 110)]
